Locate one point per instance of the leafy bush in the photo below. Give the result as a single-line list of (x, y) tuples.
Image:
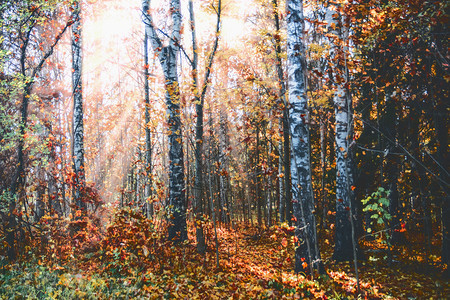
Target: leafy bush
[(132, 241), (377, 205)]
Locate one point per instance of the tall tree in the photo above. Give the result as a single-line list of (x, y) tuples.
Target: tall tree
[(286, 203), (199, 96), (148, 207), (167, 56), (343, 249), (307, 253), (77, 123)]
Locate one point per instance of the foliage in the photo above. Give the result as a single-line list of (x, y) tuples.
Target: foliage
[(36, 281), (377, 205), (132, 242), (255, 264)]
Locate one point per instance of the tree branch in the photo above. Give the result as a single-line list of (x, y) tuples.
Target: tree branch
[(50, 51)]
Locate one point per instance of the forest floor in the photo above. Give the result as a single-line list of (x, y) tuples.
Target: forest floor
[(253, 264)]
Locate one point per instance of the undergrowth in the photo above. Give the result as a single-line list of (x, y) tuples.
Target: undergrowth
[(132, 259)]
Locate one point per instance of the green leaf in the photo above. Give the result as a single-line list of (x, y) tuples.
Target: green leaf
[(384, 201)]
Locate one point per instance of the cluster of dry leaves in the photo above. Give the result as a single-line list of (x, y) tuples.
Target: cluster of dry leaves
[(254, 263), (257, 264)]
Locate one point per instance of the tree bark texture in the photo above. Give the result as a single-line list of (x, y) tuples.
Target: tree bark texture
[(198, 181), (343, 248), (167, 56), (286, 205), (199, 103), (77, 129), (299, 129)]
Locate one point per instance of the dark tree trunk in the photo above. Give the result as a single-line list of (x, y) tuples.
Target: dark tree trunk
[(259, 198), (287, 167), (148, 204), (286, 204), (389, 130)]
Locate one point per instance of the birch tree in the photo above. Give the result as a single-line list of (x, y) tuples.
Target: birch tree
[(77, 122), (148, 207), (167, 55), (345, 248), (307, 253), (344, 243)]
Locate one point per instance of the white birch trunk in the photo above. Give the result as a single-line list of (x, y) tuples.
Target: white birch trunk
[(167, 56), (343, 250), (77, 124), (306, 251)]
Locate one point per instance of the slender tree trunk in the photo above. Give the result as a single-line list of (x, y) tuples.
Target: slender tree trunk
[(343, 249), (288, 200), (282, 202), (199, 102), (167, 56), (213, 210), (78, 134), (269, 188), (440, 124), (259, 200), (389, 129), (343, 241), (148, 204), (421, 179), (54, 201), (224, 165), (286, 213), (299, 128), (323, 163)]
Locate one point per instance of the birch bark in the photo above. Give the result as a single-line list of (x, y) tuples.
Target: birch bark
[(307, 255), (343, 249), (77, 129), (167, 56)]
